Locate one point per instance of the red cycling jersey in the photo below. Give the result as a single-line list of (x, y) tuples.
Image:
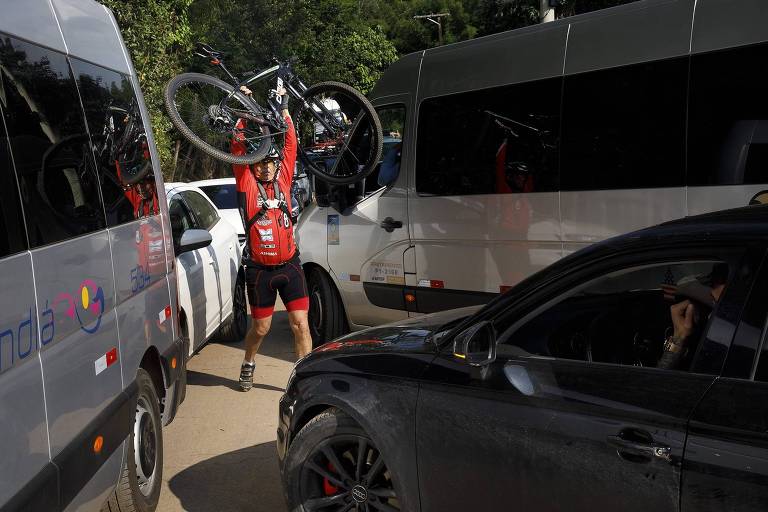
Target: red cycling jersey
[(269, 233)]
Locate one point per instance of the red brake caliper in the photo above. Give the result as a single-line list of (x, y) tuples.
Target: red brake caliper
[(328, 487)]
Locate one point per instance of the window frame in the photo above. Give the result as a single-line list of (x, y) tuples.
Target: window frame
[(589, 271)]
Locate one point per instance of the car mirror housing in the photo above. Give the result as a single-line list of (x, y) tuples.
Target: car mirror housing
[(193, 239), (476, 344)]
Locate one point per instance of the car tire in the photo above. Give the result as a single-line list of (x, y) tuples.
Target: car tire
[(136, 490), (312, 478), (326, 312), (234, 328)]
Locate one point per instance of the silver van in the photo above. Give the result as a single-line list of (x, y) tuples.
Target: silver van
[(519, 148), (92, 359)]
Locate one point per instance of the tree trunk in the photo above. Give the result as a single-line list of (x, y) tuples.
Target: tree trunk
[(175, 159)]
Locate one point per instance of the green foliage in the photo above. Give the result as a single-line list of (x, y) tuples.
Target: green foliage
[(157, 34)]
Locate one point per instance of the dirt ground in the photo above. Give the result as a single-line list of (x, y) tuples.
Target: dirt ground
[(219, 452)]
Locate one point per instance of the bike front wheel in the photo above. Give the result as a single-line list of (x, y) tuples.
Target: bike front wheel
[(340, 135), (209, 113)]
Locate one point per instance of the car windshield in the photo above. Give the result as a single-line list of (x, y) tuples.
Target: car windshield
[(223, 196)]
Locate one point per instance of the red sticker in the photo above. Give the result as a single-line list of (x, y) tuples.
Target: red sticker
[(111, 357), (167, 311), (434, 283)]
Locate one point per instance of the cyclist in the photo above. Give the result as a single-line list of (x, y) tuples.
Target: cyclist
[(270, 254)]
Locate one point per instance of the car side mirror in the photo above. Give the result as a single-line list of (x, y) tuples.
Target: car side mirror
[(193, 239), (476, 344)]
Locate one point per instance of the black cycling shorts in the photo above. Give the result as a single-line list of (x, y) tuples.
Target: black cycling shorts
[(264, 283)]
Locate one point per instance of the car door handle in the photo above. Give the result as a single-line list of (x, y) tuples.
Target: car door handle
[(389, 224), (628, 448)]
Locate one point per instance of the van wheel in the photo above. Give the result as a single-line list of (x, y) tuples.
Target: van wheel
[(326, 312), (233, 329), (142, 474)]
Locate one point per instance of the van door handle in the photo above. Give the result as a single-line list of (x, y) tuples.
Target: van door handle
[(389, 224), (629, 447)]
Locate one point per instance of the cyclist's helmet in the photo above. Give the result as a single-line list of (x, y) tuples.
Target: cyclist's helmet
[(274, 154)]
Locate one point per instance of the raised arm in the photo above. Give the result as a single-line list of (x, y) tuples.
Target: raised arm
[(289, 151)]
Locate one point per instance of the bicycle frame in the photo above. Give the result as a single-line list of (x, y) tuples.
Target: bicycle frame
[(296, 91)]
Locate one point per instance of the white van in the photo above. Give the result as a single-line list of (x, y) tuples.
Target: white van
[(519, 148), (92, 357)]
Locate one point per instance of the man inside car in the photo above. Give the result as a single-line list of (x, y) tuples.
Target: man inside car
[(697, 294)]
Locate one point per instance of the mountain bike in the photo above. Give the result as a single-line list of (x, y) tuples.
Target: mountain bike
[(338, 131)]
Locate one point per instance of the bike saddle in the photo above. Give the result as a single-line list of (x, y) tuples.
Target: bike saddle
[(204, 50)]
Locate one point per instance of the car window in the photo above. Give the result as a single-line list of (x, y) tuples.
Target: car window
[(181, 219), (223, 196), (118, 141), (624, 317), (49, 144), (206, 214)]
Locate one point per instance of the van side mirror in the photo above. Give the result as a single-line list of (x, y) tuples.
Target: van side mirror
[(476, 344), (193, 239)]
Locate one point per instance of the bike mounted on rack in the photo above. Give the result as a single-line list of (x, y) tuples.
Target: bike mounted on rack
[(338, 131)]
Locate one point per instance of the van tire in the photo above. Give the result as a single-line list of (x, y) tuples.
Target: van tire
[(234, 328), (326, 311), (129, 496)]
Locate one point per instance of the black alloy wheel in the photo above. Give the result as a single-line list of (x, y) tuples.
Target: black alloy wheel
[(338, 471)]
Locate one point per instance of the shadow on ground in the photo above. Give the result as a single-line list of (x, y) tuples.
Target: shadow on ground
[(206, 379), (242, 480)]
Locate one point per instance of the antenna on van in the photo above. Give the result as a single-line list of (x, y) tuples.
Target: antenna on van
[(435, 18)]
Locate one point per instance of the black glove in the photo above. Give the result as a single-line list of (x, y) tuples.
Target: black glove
[(284, 102)]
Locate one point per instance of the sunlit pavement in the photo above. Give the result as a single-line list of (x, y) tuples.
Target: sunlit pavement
[(220, 450)]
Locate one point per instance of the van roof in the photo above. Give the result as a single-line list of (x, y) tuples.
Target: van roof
[(84, 29)]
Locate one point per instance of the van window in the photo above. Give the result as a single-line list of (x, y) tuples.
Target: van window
[(624, 128), (206, 214), (118, 140), (728, 126), (393, 126), (493, 141), (49, 144), (13, 238)]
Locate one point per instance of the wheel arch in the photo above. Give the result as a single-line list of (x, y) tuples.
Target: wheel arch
[(311, 266), (151, 364)]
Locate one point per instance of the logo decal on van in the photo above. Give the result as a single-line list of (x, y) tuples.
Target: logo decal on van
[(92, 301), (86, 306)]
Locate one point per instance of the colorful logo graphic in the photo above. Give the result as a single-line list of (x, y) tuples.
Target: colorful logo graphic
[(87, 305)]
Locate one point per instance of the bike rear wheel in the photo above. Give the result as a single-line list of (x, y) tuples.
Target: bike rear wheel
[(351, 149), (208, 114)]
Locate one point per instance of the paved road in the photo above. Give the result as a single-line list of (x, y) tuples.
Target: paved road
[(220, 450)]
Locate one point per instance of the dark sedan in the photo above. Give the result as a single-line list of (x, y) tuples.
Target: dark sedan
[(632, 375)]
